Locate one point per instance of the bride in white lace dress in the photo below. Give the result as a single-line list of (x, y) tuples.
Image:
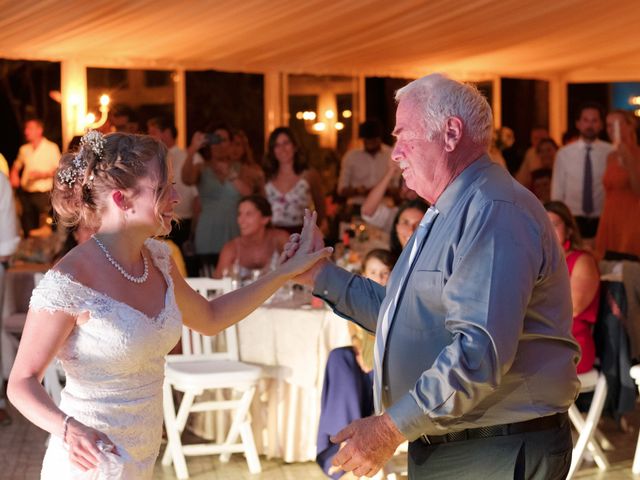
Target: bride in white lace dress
[(112, 308)]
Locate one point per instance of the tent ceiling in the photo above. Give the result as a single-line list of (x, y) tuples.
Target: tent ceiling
[(577, 39)]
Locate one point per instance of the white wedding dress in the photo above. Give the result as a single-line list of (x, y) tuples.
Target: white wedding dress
[(114, 364)]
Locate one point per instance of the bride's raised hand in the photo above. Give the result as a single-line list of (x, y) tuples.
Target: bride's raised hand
[(310, 239), (305, 250)]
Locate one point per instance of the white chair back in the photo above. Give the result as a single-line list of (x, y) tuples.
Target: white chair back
[(223, 346)]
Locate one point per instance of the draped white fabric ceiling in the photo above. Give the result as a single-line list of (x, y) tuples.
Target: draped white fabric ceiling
[(575, 39)]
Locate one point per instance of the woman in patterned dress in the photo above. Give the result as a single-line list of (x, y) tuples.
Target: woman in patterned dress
[(291, 186)]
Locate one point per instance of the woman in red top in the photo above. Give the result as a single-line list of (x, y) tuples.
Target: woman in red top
[(585, 281)]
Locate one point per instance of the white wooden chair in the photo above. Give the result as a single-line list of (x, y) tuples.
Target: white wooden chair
[(12, 330), (635, 468), (591, 381), (200, 369)]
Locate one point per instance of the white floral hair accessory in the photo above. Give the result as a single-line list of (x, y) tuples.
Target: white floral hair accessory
[(92, 140)]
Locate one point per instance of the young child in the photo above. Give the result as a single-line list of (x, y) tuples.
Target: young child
[(377, 266)]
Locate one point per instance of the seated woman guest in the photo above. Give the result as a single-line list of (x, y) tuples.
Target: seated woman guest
[(618, 234), (405, 223), (291, 186), (585, 281), (347, 391), (258, 242)]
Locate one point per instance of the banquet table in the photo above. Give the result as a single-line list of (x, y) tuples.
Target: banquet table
[(293, 344)]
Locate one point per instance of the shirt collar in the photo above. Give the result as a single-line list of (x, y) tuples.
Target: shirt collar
[(584, 144), (452, 193)]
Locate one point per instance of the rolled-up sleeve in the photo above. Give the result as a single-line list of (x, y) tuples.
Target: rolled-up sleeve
[(351, 296), (485, 298)]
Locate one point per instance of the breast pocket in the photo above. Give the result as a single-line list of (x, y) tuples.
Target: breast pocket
[(425, 290)]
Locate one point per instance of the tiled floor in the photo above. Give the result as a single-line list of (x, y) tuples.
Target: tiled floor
[(22, 446)]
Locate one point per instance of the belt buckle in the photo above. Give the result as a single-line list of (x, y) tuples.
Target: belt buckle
[(425, 439)]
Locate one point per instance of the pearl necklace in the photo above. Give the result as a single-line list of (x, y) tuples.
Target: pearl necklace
[(141, 279)]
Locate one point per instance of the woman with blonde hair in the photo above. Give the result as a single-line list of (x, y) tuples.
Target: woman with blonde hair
[(113, 307), (618, 234)]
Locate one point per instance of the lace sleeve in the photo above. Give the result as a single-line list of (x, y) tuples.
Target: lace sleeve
[(57, 292), (161, 254)]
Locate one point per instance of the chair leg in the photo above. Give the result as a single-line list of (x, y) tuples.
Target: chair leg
[(603, 441), (586, 428), (635, 469), (249, 443), (180, 421), (593, 445), (598, 455), (239, 418), (173, 453), (220, 417)]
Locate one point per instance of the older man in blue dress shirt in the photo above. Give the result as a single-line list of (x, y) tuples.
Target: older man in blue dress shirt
[(475, 362)]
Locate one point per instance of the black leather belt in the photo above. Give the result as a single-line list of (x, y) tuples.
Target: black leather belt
[(534, 425)]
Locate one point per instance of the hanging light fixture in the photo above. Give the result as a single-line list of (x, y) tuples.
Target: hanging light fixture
[(90, 122)]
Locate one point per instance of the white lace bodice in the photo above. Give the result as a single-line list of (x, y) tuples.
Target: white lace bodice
[(114, 365)]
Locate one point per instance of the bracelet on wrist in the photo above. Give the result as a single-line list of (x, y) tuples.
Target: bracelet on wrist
[(65, 427)]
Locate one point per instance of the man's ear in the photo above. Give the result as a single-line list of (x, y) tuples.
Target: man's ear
[(120, 200), (452, 133)]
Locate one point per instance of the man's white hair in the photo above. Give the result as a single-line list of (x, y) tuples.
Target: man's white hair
[(438, 97)]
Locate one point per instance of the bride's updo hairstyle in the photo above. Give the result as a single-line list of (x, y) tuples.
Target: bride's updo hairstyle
[(103, 163)]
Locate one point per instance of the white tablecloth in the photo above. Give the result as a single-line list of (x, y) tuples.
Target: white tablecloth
[(296, 343)]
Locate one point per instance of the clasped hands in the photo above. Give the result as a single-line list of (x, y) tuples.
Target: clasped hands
[(365, 444)]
